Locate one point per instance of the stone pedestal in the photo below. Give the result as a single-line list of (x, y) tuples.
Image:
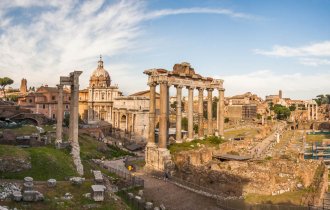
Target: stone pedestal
[(157, 158)]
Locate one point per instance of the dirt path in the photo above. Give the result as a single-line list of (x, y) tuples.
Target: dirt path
[(174, 197)]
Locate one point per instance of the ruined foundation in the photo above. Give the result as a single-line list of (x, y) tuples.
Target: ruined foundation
[(157, 158)]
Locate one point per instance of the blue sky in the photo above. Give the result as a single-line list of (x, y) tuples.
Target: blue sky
[(258, 46)]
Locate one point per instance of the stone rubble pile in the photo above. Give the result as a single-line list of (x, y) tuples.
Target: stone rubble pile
[(7, 190)]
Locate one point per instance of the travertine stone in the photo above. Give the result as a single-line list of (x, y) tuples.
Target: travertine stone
[(163, 124), (51, 182), (209, 112), (152, 113), (221, 111), (178, 113), (190, 113), (59, 116), (200, 113)]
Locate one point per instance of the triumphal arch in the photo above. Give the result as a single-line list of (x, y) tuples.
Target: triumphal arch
[(182, 76)]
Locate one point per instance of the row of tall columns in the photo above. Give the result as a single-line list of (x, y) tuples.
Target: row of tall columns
[(312, 111), (164, 113)]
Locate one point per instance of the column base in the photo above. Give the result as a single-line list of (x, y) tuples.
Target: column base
[(58, 143), (157, 158)]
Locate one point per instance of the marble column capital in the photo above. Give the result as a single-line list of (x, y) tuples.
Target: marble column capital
[(178, 86), (190, 87), (152, 84), (220, 89), (209, 89)]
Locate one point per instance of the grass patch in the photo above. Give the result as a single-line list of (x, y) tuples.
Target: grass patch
[(24, 130), (244, 132), (13, 151), (311, 138), (47, 162), (93, 149), (211, 141)]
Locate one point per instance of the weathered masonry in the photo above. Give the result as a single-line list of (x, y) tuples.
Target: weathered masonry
[(73, 81), (182, 76)]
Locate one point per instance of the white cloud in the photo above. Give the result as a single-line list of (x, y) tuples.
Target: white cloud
[(310, 55), (54, 38), (198, 10), (314, 61), (268, 82), (316, 49)]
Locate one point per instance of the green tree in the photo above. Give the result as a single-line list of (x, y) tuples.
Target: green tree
[(281, 112), (292, 108), (4, 82)]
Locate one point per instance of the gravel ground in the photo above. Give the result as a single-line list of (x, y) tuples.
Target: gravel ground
[(174, 197)]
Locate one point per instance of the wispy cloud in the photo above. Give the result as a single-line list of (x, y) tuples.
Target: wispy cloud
[(267, 82), (312, 54), (42, 40), (198, 10)]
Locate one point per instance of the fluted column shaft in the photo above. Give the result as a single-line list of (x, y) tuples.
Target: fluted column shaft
[(313, 114), (200, 113), (152, 114), (59, 118), (221, 111), (190, 113), (316, 112), (163, 118), (178, 113), (209, 112)]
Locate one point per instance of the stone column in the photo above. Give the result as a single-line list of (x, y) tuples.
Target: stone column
[(59, 118), (190, 112), (221, 111), (316, 112), (74, 122), (71, 113), (313, 114), (152, 113), (163, 118), (209, 112), (308, 112), (200, 113), (178, 113)]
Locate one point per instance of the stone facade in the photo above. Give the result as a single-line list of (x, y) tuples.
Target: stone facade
[(131, 116), (101, 95)]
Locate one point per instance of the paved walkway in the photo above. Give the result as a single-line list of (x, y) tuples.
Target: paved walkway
[(261, 148), (174, 197)]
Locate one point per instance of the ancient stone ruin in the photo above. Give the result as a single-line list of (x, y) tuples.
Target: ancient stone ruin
[(183, 75), (73, 81)]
